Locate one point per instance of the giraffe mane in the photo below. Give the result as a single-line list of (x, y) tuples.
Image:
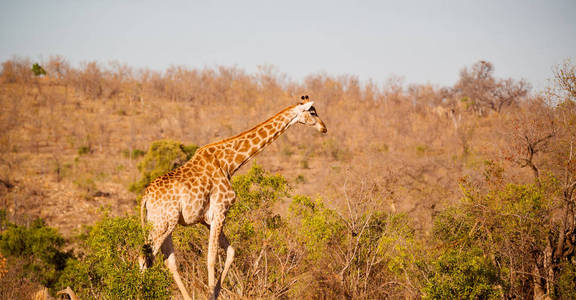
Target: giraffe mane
[(251, 129)]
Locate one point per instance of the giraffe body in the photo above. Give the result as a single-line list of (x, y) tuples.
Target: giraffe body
[(200, 191)]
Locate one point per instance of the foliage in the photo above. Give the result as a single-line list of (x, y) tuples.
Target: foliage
[(278, 257), (256, 189), (38, 70), (509, 225), (38, 247), (382, 255), (162, 157), (136, 153), (84, 150), (319, 225), (567, 280), (109, 267), (393, 237), (462, 275), (454, 226)]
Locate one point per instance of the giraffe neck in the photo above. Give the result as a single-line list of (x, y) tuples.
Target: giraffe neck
[(241, 148)]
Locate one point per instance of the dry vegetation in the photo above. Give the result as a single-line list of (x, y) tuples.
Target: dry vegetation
[(71, 141)]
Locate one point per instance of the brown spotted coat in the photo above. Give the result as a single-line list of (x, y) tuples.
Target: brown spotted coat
[(200, 191)]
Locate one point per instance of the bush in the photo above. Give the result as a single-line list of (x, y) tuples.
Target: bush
[(136, 153), (567, 280), (109, 268), (38, 247), (162, 157), (319, 226), (462, 275), (251, 216), (392, 236), (509, 225), (382, 251), (38, 70), (256, 189), (258, 233), (84, 150)]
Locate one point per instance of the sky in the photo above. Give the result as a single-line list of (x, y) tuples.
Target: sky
[(419, 41)]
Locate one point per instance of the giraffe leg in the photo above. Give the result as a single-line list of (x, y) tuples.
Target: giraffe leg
[(145, 259), (215, 231), (229, 255), (170, 261), (150, 249), (156, 238)]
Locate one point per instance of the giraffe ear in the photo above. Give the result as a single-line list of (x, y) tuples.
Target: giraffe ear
[(305, 106)]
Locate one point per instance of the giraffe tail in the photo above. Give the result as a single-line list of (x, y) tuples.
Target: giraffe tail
[(145, 259), (143, 212)]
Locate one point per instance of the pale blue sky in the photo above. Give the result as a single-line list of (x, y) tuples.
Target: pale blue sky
[(422, 41)]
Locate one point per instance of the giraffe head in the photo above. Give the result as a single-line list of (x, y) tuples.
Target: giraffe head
[(307, 114)]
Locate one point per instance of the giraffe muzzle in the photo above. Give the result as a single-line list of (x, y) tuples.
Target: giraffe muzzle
[(321, 127)]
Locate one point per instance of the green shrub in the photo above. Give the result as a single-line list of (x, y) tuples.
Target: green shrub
[(462, 275), (567, 281), (382, 255), (454, 226), (300, 179), (38, 247), (136, 153), (255, 189), (392, 236), (38, 70), (422, 149), (109, 268), (84, 150), (162, 157), (248, 219), (509, 225), (189, 150), (319, 225)]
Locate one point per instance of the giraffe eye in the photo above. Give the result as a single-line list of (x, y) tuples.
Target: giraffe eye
[(312, 111)]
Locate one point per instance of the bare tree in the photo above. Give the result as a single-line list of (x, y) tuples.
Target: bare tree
[(530, 133), (16, 69), (563, 93), (565, 79), (547, 128), (478, 86)]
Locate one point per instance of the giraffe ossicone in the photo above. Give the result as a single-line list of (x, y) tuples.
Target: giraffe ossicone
[(200, 191)]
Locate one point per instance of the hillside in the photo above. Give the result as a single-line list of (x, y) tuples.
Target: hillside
[(67, 141), (71, 140)]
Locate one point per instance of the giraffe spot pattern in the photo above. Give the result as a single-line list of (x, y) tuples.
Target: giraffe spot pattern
[(200, 190)]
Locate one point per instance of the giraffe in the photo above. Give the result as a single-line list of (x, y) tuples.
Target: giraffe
[(200, 191)]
